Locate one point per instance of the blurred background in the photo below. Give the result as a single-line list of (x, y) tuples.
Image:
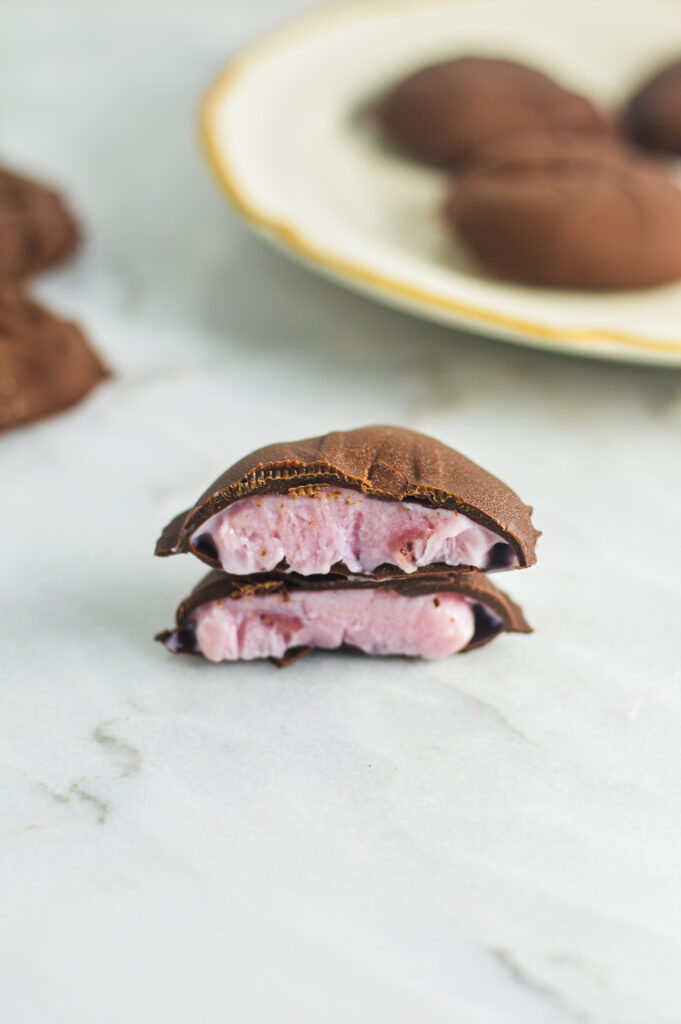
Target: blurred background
[(346, 841)]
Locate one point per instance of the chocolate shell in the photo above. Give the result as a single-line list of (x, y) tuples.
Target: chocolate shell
[(570, 215), (36, 227), (442, 113), (652, 119), (383, 462), (46, 363), (531, 148), (507, 617)]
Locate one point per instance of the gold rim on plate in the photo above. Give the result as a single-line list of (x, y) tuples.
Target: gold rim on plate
[(289, 237)]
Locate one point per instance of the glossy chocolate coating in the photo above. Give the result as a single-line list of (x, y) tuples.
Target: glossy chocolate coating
[(443, 113), (383, 462), (571, 214), (36, 227), (46, 363)]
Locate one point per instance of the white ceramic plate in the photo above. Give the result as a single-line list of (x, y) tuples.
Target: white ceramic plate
[(285, 132)]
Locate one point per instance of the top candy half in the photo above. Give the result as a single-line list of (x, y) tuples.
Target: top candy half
[(374, 501)]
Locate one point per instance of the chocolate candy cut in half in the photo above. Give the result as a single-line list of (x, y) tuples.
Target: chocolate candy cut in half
[(46, 364), (36, 227), (378, 500), (284, 615)]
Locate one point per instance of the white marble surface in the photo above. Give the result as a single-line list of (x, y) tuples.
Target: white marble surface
[(490, 839)]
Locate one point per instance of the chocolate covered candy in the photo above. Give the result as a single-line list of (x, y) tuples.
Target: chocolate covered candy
[(46, 364), (363, 501), (443, 113), (652, 118), (228, 618), (534, 147), (569, 214), (36, 227)]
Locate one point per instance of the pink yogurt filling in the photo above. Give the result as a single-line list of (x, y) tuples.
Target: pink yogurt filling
[(311, 533), (376, 621)]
